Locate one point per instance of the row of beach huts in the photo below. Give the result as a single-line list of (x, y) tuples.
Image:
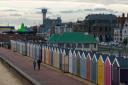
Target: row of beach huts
[(101, 69)]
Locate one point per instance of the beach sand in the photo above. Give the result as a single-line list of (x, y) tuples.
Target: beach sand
[(7, 78)]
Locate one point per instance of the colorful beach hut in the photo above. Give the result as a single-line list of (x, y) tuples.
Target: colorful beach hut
[(65, 60), (60, 58), (94, 67), (79, 53), (83, 65), (88, 65), (70, 61), (101, 62), (52, 54), (108, 70), (75, 62), (120, 71)]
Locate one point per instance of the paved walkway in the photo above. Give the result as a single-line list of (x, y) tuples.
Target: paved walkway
[(46, 76)]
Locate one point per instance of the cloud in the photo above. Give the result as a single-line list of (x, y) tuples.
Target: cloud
[(98, 10), (15, 14), (10, 10)]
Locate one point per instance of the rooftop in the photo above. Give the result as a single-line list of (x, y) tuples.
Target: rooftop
[(72, 37)]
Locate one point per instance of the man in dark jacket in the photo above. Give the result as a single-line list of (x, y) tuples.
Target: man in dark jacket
[(38, 63)]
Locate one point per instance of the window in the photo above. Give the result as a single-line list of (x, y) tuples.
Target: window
[(100, 29), (105, 28), (68, 45), (94, 45), (86, 45), (125, 31), (79, 45), (73, 45)]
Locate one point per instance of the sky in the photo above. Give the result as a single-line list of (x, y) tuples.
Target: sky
[(14, 12)]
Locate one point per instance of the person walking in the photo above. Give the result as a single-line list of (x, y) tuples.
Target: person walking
[(34, 64), (38, 63)]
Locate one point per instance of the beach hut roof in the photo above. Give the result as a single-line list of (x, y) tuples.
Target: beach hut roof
[(111, 58), (96, 56), (123, 62), (72, 37), (104, 56), (67, 51), (80, 51)]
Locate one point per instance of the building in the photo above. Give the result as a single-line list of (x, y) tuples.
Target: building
[(121, 31), (101, 25), (117, 35), (6, 28), (125, 30), (76, 40)]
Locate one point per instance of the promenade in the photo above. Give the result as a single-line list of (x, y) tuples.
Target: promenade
[(46, 76)]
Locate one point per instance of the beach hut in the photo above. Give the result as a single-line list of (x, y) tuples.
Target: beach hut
[(42, 53), (70, 61), (94, 67), (28, 48), (83, 65), (48, 56), (78, 62), (74, 62), (120, 71), (20, 47), (52, 53), (101, 62), (108, 69), (45, 55), (54, 58), (65, 60), (34, 51), (24, 48), (57, 58), (60, 58), (88, 65)]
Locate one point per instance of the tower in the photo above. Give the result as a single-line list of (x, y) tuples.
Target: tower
[(44, 11)]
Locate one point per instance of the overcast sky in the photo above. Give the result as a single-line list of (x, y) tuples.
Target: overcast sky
[(13, 12)]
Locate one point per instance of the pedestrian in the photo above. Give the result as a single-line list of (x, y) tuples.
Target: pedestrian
[(34, 64), (38, 62)]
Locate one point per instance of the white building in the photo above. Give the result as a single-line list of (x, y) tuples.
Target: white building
[(125, 30), (117, 35)]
